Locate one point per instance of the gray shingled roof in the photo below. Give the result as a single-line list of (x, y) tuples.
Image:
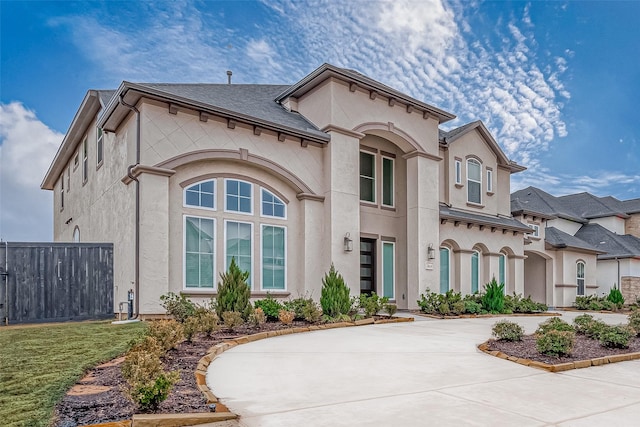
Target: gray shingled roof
[(491, 221), (456, 131), (105, 96), (631, 206), (559, 239), (588, 206), (615, 245), (532, 199), (251, 100)]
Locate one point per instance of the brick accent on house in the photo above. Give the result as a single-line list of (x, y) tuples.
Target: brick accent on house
[(632, 225), (630, 288)]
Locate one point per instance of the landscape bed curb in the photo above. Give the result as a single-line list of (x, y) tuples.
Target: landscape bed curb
[(576, 310), (560, 367), (480, 316)]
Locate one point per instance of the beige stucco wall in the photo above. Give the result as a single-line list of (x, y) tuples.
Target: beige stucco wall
[(565, 276), (569, 227), (611, 223)]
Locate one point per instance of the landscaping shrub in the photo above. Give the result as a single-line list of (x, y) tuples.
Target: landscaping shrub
[(429, 302), (518, 304), (232, 319), (583, 302), (390, 309), (472, 307), (191, 327), (554, 324), (505, 330), (208, 320), (493, 298), (305, 308), (371, 304), (615, 296), (258, 317), (616, 336), (178, 306), (457, 307), (582, 323), (286, 317), (270, 306), (234, 292), (634, 321), (168, 333), (555, 342), (594, 328), (608, 305), (595, 305), (444, 308), (335, 300), (150, 394)]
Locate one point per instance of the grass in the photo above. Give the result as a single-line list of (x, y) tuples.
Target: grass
[(39, 363)]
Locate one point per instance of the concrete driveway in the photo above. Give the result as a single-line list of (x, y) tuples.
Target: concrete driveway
[(427, 372)]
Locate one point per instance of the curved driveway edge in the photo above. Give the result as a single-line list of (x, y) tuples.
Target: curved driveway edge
[(427, 372)]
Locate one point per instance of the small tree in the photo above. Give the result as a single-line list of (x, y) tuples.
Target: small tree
[(334, 298), (493, 298), (233, 291)]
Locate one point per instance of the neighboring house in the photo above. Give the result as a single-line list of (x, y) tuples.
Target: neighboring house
[(337, 168), (581, 244)]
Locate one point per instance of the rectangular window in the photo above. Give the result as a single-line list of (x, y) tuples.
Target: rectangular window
[(68, 178), (489, 181), (75, 162), (474, 182), (199, 260), (272, 205), (580, 277), (99, 147), (536, 230), (367, 177), (274, 255), (387, 181), (388, 269), (475, 272), (502, 272), (85, 161), (458, 172), (62, 192), (201, 195), (238, 196), (238, 245), (444, 270)]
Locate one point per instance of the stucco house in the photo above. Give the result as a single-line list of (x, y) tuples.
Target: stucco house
[(581, 244), (336, 168)]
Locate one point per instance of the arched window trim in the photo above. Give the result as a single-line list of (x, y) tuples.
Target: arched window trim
[(191, 185), (580, 284), (276, 198), (471, 181)]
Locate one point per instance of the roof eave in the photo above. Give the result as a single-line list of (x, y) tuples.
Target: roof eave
[(327, 70), (488, 223), (84, 116), (574, 248)]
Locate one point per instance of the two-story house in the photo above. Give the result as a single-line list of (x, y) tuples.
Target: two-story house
[(337, 168), (581, 244)]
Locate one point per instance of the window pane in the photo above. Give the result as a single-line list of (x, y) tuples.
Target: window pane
[(267, 209), (458, 172), (245, 189), (367, 189), (192, 273), (207, 187), (245, 205), (266, 196), (192, 198), (199, 252), (206, 200), (388, 279), (387, 182), (232, 187), (474, 272), (273, 257), (206, 270), (444, 270), (201, 195), (473, 170), (502, 278), (278, 210), (239, 245), (367, 165), (474, 192)]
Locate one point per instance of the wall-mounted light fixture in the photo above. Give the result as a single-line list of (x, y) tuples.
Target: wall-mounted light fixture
[(348, 243), (431, 253)]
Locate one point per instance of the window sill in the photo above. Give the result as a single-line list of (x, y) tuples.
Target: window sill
[(475, 205), (388, 208), (490, 193), (459, 185), (99, 165), (368, 204)]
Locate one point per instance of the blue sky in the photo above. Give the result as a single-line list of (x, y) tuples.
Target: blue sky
[(557, 83)]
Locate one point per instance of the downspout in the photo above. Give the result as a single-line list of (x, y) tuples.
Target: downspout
[(136, 258)]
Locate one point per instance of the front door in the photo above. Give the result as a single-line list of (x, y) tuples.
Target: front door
[(367, 266)]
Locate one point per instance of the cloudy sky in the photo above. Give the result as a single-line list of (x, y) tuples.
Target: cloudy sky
[(557, 83)]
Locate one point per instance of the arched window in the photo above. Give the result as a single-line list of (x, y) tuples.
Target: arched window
[(445, 268), (580, 277), (201, 195), (474, 181), (475, 271), (272, 206), (76, 234), (502, 270)]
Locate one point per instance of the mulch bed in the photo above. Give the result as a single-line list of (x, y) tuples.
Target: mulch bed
[(77, 409), (584, 348)]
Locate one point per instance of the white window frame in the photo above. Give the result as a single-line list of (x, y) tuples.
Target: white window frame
[(68, 178), (184, 253), (448, 266), (536, 230), (583, 278), (62, 192), (226, 209), (489, 181), (393, 244), (262, 214), (393, 182), (375, 187), (251, 276), (476, 252), (215, 194), (286, 257), (458, 172), (477, 162), (85, 160), (99, 147), (506, 271)]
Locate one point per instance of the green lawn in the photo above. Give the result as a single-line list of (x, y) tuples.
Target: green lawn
[(38, 364)]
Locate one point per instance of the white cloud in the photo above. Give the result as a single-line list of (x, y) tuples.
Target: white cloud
[(27, 147), (600, 183)]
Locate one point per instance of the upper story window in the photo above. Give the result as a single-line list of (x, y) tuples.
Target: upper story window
[(458, 169), (474, 181), (387, 182), (99, 147), (85, 160), (536, 230), (367, 177), (201, 195), (489, 181), (271, 205), (580, 277), (238, 196), (62, 192)]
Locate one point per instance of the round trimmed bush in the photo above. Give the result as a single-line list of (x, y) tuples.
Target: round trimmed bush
[(616, 336), (555, 343), (554, 324), (505, 330), (634, 321)]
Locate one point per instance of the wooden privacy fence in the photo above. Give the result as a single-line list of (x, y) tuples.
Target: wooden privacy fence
[(43, 282)]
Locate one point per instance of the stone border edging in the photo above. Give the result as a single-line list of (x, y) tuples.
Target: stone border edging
[(560, 367), (216, 350), (623, 311), (480, 316)]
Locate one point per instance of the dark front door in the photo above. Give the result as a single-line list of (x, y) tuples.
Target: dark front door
[(367, 266)]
